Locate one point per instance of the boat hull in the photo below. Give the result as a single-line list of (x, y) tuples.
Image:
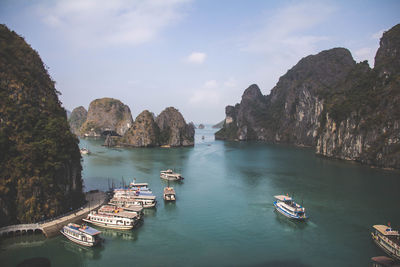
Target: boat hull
[(286, 214), (110, 226), (171, 178), (387, 251), (80, 242)]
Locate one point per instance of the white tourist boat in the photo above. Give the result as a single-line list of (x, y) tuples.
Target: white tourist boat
[(387, 239), (113, 221), (142, 186), (169, 194), (81, 234), (286, 206), (134, 208), (132, 192), (170, 175), (143, 201), (113, 209)]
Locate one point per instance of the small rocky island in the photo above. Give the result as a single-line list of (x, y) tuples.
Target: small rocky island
[(112, 119), (107, 116), (40, 163), (343, 109)]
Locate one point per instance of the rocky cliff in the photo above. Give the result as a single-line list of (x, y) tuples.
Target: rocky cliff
[(107, 115), (77, 118), (343, 109), (173, 128), (143, 133), (40, 169)]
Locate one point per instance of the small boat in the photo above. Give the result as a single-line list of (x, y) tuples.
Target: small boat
[(81, 234), (113, 221), (387, 239), (170, 175), (286, 206), (85, 151), (169, 194)]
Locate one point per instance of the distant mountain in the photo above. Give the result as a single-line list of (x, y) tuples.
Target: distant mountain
[(68, 113), (40, 167), (77, 118), (343, 109), (219, 125)]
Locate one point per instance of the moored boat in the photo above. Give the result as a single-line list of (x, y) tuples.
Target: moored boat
[(170, 175), (387, 239), (287, 207), (81, 234), (143, 201), (113, 221), (112, 209), (169, 194)]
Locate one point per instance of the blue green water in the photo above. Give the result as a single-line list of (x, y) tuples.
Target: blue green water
[(224, 215)]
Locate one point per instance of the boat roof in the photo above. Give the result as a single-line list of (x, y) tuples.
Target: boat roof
[(89, 230), (144, 197), (139, 184), (283, 198), (169, 190), (386, 230), (84, 228)]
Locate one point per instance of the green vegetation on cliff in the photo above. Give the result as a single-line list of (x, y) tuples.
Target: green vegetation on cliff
[(40, 170)]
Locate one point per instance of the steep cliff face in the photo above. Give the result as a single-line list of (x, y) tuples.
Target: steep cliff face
[(77, 118), (346, 110), (173, 128), (362, 120), (107, 115), (40, 170), (143, 133)]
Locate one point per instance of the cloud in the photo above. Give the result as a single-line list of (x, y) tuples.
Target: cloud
[(285, 33), (211, 84), (196, 57), (105, 22)]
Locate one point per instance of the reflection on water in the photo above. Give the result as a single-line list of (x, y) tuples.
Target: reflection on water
[(26, 241), (131, 235), (93, 253)]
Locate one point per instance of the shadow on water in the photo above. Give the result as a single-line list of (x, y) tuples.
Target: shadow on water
[(281, 263), (85, 252), (294, 224)]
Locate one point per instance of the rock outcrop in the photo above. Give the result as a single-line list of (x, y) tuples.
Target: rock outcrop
[(77, 118), (143, 133), (343, 109), (40, 169), (107, 116), (201, 126), (173, 129)]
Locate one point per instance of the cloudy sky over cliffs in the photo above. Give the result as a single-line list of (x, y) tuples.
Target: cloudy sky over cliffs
[(197, 56)]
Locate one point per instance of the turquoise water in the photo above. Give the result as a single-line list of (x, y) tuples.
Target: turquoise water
[(224, 214)]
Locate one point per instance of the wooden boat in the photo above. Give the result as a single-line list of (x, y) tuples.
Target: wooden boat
[(287, 207), (114, 221), (169, 194), (387, 239), (81, 234), (170, 175)]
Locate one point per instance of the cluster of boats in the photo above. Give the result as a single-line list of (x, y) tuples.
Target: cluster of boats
[(383, 235), (124, 211)]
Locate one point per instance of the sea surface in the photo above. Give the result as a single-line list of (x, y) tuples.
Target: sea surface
[(224, 214)]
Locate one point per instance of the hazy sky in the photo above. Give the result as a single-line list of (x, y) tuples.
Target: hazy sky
[(197, 56)]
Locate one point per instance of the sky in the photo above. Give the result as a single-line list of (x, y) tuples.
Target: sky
[(197, 56)]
